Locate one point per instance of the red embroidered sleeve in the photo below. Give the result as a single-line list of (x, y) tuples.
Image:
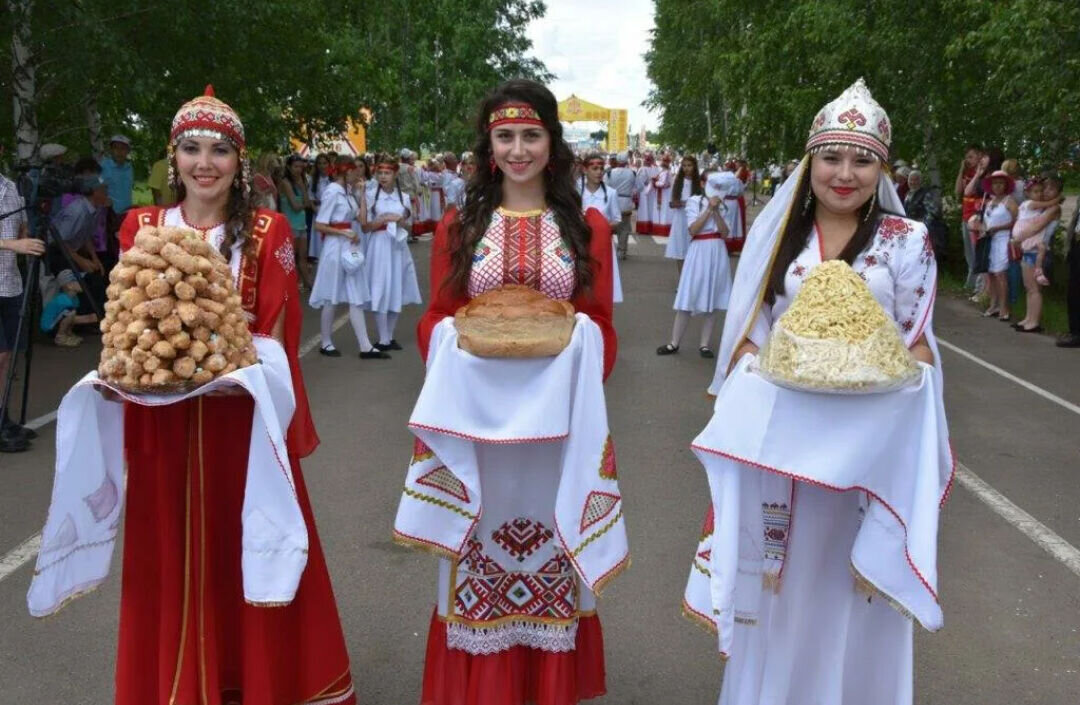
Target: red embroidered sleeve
[(135, 219), (598, 303), (443, 303)]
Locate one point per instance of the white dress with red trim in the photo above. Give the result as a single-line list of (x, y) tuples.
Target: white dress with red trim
[(515, 486), (391, 272), (820, 542), (679, 237), (661, 226), (646, 210), (606, 201), (705, 279)]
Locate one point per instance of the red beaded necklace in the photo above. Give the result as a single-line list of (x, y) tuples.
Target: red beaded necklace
[(203, 230)]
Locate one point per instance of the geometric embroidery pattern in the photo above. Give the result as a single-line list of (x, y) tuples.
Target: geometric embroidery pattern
[(777, 519), (489, 592), (525, 250), (707, 525), (522, 537), (442, 479), (286, 256), (420, 452), (607, 460), (597, 506)]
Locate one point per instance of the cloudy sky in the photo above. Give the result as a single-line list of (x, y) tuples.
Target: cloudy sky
[(595, 49)]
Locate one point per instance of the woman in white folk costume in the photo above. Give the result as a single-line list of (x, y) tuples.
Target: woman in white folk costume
[(819, 546), (391, 273), (646, 210), (596, 194), (687, 183), (529, 531), (661, 226), (226, 597), (705, 279), (433, 179), (341, 277), (453, 183), (319, 182)]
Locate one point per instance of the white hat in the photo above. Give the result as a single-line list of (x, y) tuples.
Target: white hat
[(853, 119), (720, 183), (622, 157), (51, 150), (121, 139)]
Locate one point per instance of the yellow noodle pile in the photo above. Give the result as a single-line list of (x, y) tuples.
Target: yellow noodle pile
[(836, 336)]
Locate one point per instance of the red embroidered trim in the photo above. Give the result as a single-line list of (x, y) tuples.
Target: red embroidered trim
[(514, 113), (824, 485), (508, 441), (183, 217)]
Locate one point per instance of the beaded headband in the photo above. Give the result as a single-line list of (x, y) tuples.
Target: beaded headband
[(514, 112)]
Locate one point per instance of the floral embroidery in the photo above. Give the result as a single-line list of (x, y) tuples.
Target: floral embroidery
[(920, 292), (286, 256), (870, 260), (777, 519), (799, 271)]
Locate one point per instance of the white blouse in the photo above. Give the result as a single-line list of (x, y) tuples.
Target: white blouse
[(337, 206), (898, 266)]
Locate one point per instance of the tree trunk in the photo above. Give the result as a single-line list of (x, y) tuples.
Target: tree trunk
[(93, 126), (24, 93), (708, 120), (742, 130)]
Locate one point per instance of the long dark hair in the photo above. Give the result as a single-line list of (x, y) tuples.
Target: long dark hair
[(588, 158), (800, 224), (695, 179), (239, 211), (389, 161), (484, 191)]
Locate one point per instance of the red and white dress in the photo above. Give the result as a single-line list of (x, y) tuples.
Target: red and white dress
[(186, 633), (514, 622)]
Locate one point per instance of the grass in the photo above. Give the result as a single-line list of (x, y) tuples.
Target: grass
[(1055, 318)]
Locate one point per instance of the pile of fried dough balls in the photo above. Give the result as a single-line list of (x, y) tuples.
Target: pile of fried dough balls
[(172, 319)]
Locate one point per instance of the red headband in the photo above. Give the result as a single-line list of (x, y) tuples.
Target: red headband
[(388, 166), (596, 160), (514, 112), (334, 170)]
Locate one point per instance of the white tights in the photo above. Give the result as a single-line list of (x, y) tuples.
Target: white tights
[(682, 320), (356, 317), (385, 322)]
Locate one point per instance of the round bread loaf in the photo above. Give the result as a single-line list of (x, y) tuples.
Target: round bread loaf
[(514, 321)]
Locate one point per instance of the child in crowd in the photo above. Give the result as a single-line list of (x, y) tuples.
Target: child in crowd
[(1035, 224), (60, 315)]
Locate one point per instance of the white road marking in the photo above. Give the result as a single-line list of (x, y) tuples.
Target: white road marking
[(1045, 538), (1011, 377), (28, 549), (22, 553)]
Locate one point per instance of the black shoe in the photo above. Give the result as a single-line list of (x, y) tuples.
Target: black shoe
[(705, 352), (1069, 341), (395, 345), (383, 348), (374, 354), (27, 433), (667, 349), (11, 442), (330, 352), (1036, 329)]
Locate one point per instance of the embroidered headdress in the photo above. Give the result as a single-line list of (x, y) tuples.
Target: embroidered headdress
[(514, 112), (206, 116), (854, 119)]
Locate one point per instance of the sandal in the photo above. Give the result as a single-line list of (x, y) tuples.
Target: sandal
[(705, 352), (991, 313), (1040, 277), (1004, 319), (1036, 329), (667, 349)]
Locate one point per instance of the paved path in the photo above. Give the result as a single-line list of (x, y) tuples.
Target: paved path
[(1012, 608)]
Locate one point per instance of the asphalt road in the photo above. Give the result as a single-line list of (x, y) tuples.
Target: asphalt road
[(1012, 609)]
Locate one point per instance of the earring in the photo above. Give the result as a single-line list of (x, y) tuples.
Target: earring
[(873, 202), (807, 201), (550, 167), (491, 163)]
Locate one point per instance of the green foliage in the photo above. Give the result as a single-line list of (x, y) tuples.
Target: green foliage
[(947, 71), (286, 66)]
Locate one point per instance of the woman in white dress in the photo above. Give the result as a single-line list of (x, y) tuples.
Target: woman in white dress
[(597, 194), (319, 182), (705, 280), (687, 183), (391, 274), (340, 278), (815, 634)]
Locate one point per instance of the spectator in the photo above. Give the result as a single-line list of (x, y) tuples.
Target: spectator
[(74, 226), (900, 179), (969, 165), (998, 217), (1072, 257), (923, 203), (119, 176), (52, 154), (13, 242), (60, 315), (294, 199), (1035, 224), (264, 191), (162, 190), (87, 168)]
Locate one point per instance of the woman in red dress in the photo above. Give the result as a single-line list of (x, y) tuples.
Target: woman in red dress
[(521, 224), (187, 637)]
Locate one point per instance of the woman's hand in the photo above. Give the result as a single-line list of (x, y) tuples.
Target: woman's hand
[(108, 394), (921, 351), (230, 390), (747, 348)]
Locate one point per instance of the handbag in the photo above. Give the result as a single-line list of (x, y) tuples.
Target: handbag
[(352, 259)]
